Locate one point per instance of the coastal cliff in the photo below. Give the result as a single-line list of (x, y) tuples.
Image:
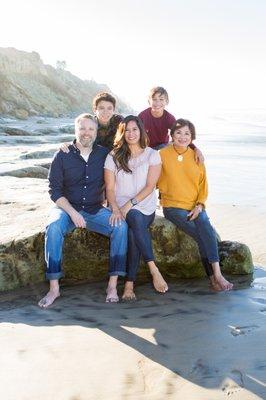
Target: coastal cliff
[(29, 87)]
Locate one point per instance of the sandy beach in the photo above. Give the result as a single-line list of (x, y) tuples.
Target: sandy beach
[(188, 344), (246, 224)]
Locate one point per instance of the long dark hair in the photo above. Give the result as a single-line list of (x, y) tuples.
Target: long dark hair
[(121, 152)]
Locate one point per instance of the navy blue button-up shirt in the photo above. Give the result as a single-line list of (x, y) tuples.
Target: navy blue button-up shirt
[(79, 181)]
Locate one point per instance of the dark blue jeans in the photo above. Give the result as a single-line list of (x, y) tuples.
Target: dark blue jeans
[(60, 224), (200, 230), (139, 241)]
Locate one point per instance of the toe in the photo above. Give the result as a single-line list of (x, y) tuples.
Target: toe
[(43, 302)]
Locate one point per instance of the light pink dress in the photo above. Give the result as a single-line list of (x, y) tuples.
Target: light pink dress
[(128, 185)]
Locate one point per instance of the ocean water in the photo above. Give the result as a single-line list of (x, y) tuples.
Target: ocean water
[(234, 146), (233, 143)]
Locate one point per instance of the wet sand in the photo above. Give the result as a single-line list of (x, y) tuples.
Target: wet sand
[(188, 344)]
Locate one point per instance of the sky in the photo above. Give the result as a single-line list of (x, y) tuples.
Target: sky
[(208, 54)]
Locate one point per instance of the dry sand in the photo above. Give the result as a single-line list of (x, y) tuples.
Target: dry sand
[(243, 224)]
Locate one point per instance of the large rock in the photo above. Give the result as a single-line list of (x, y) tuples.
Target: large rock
[(86, 257), (36, 171), (39, 154), (15, 131)]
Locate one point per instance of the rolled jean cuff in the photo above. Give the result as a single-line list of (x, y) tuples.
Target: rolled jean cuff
[(53, 275), (119, 273), (214, 260), (149, 259)]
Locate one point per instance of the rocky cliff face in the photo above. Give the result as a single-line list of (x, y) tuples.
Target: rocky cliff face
[(29, 87)]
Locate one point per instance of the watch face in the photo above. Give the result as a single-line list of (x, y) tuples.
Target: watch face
[(134, 202)]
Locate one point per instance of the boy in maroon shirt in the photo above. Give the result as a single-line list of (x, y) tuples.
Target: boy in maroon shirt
[(157, 121)]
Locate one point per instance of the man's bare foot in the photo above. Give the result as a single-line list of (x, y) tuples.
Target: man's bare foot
[(129, 294), (111, 295), (158, 282), (222, 282), (48, 300)]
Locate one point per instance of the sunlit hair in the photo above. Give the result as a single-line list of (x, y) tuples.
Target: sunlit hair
[(159, 90), (121, 152), (86, 116), (180, 123), (103, 96)]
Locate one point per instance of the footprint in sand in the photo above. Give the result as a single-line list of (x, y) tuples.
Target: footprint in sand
[(234, 383), (202, 370)]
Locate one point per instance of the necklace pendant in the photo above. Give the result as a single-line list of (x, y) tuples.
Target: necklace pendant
[(179, 158)]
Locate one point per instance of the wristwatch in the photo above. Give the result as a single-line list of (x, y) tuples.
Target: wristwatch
[(134, 201)]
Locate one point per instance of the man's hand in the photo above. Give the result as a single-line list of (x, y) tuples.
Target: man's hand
[(195, 212), (64, 147), (198, 156), (116, 218), (78, 219)]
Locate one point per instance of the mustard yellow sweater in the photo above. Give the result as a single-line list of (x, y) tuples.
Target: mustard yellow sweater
[(182, 184)]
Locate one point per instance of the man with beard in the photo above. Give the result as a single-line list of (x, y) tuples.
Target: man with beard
[(76, 186)]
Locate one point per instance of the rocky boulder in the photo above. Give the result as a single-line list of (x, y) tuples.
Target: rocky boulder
[(86, 257), (15, 131), (36, 171)]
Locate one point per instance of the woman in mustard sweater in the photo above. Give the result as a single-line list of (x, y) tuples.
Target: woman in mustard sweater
[(183, 188)]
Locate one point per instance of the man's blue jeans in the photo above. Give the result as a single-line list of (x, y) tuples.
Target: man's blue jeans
[(60, 224), (200, 230), (139, 241)]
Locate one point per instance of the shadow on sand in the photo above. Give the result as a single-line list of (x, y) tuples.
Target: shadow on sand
[(216, 341)]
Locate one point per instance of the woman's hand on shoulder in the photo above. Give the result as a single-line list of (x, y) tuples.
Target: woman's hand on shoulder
[(195, 212), (116, 217), (64, 147)]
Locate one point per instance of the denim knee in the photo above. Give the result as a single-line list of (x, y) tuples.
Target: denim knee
[(120, 229), (134, 217), (203, 217), (53, 230)]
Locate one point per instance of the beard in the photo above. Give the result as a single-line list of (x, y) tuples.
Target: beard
[(87, 142)]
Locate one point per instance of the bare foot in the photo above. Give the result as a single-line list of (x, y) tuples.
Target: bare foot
[(158, 282), (48, 300), (111, 295), (223, 283), (215, 287), (129, 294)]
